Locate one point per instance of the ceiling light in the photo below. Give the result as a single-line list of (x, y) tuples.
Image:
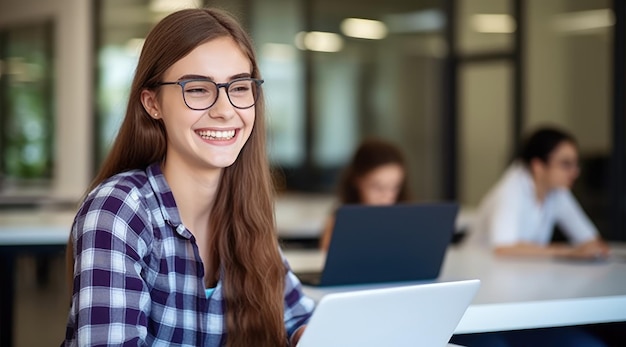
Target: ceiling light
[(319, 41), (416, 22), (584, 20), (493, 23), (364, 28), (278, 51), (168, 6)]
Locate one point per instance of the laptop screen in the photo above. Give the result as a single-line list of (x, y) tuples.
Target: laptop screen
[(374, 244)]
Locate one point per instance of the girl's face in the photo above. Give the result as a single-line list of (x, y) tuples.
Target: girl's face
[(212, 138), (561, 170), (382, 185)]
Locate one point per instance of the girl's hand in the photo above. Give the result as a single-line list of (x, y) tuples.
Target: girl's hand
[(293, 342), (592, 249)]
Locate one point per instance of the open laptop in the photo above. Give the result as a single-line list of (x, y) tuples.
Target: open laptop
[(416, 315), (378, 244)]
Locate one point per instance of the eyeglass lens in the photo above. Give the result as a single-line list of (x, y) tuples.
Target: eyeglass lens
[(202, 94)]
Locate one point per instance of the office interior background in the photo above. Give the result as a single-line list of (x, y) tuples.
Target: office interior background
[(455, 83)]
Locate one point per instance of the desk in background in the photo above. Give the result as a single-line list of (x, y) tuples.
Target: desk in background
[(518, 293), (46, 231), (515, 293), (26, 232)]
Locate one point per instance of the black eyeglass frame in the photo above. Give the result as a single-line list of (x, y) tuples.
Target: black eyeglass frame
[(226, 86)]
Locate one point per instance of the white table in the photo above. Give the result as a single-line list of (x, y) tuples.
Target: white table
[(515, 293), (519, 293)]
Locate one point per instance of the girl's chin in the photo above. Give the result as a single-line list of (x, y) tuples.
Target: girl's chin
[(562, 186)]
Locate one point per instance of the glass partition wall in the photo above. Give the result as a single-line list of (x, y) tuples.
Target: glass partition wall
[(568, 82), (335, 72), (454, 83), (26, 110)]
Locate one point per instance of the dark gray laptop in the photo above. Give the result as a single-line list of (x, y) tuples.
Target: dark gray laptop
[(378, 244)]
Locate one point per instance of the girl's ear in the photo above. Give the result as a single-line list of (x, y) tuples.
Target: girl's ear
[(150, 103), (537, 167)]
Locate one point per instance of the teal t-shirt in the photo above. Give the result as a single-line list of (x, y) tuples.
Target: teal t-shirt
[(209, 292)]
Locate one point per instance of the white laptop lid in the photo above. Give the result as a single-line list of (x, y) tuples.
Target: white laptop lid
[(415, 315)]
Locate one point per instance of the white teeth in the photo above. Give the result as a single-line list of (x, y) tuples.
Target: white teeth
[(217, 135)]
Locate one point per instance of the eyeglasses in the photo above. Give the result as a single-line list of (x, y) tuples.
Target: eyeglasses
[(567, 164), (201, 94)]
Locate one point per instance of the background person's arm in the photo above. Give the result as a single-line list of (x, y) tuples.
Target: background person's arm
[(327, 233), (504, 217), (295, 337), (578, 227), (591, 249), (529, 249), (572, 219)]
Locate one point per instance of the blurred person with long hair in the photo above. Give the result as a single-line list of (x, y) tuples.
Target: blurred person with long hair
[(376, 175)]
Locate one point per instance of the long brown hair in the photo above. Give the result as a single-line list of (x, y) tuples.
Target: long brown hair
[(243, 242), (371, 154)]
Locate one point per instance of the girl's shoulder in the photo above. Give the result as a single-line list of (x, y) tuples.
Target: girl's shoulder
[(124, 191), (513, 187), (124, 182), (117, 204)]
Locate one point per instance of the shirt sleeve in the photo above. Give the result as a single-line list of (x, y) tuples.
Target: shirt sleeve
[(502, 217), (110, 301), (298, 307), (573, 220)]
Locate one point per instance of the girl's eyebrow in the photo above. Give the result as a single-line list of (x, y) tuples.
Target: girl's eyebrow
[(201, 77), (194, 77)]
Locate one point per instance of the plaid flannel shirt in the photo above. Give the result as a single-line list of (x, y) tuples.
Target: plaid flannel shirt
[(138, 277)]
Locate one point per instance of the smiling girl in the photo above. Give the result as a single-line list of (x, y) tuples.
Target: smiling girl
[(175, 243)]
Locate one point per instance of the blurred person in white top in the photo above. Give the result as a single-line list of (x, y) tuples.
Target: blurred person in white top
[(518, 215)]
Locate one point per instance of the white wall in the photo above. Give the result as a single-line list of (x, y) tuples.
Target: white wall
[(72, 88), (545, 65), (485, 102), (568, 78), (484, 127), (566, 83)]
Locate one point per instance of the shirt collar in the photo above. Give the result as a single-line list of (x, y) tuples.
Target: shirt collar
[(527, 181), (165, 197), (526, 178)]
